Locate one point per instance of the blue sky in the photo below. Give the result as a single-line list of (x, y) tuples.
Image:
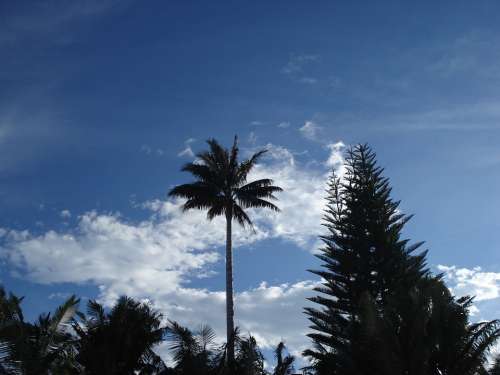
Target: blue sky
[(101, 102)]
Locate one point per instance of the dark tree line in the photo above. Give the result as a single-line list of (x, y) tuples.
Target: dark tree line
[(120, 341)]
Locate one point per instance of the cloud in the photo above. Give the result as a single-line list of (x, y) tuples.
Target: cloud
[(270, 312), (473, 54), (296, 63), (257, 123), (48, 18), (187, 151), (472, 282), (157, 258), (283, 125), (65, 214), (252, 138), (335, 160), (296, 66), (475, 116), (311, 130), (308, 80), (40, 131), (148, 150)]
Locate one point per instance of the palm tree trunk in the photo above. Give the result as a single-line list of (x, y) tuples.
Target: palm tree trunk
[(229, 292)]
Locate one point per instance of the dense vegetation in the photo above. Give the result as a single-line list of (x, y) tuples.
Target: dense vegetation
[(378, 311)]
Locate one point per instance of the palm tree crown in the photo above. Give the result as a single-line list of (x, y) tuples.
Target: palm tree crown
[(221, 184)]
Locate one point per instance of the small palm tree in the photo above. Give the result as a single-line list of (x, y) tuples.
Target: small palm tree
[(40, 348), (249, 359), (193, 353), (221, 187), (121, 341), (284, 365)]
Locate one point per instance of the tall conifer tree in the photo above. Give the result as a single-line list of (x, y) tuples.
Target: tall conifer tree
[(380, 311)]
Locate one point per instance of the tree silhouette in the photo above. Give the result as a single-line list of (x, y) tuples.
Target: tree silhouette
[(121, 341), (284, 364), (221, 187), (193, 353), (380, 310), (40, 348)]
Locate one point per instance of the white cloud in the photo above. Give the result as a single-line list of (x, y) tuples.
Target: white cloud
[(187, 151), (59, 295), (252, 138), (336, 159), (474, 282), (156, 258), (257, 123), (310, 130), (270, 313), (65, 214), (283, 125)]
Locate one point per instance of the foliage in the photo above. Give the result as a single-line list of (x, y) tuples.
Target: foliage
[(379, 309), (42, 347), (198, 354), (221, 185), (120, 342)]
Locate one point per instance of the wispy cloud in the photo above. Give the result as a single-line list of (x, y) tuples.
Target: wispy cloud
[(308, 80), (283, 125), (46, 19), (311, 130), (296, 68), (187, 151), (296, 63), (148, 150), (252, 138), (65, 214), (474, 53), (41, 132)]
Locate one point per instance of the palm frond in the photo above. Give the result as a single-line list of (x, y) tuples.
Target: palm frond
[(233, 158), (241, 216), (200, 171), (246, 166), (96, 311), (64, 313), (218, 154), (253, 202), (182, 342), (206, 336)]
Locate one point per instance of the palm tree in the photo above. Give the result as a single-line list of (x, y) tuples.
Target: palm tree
[(249, 359), (221, 188), (40, 348), (121, 341), (194, 353), (284, 365)]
